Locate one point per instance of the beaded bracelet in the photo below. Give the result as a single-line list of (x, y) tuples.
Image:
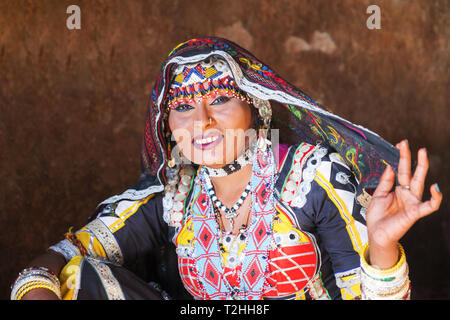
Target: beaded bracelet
[(33, 278)]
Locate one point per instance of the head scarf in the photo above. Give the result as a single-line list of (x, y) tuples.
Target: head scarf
[(298, 117)]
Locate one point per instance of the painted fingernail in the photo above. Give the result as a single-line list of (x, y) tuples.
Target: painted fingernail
[(437, 188)]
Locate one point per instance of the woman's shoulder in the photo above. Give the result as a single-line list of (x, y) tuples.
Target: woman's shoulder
[(294, 158), (306, 156), (304, 163), (123, 209)]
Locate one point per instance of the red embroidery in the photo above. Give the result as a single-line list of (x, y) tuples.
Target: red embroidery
[(290, 269)]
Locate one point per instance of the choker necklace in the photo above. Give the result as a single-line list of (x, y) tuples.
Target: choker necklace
[(241, 161)]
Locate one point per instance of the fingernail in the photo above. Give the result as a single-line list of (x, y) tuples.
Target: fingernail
[(437, 188)]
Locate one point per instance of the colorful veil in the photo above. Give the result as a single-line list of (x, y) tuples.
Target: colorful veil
[(298, 117)]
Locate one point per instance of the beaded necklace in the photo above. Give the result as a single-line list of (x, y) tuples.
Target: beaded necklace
[(243, 160), (230, 213), (253, 269)]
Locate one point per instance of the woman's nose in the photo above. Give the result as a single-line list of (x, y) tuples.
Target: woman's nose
[(203, 118)]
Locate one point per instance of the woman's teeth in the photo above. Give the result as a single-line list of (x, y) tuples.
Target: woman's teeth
[(206, 140)]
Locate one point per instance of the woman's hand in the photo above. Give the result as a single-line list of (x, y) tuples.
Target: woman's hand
[(391, 214)]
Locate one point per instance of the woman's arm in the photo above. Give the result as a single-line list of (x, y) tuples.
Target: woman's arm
[(52, 261), (123, 238)]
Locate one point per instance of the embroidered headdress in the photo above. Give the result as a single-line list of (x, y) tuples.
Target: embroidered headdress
[(201, 79)]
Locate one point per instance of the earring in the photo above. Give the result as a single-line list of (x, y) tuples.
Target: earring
[(265, 116), (171, 162), (263, 142)]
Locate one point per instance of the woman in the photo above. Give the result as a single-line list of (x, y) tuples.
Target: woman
[(315, 216)]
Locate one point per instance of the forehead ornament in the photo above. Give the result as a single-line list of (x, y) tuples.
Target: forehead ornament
[(208, 78)]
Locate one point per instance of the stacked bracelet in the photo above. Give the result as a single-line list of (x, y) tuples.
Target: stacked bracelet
[(379, 284), (33, 278)]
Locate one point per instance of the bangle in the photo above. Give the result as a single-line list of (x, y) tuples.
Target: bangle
[(397, 271), (402, 292), (34, 284), (33, 278), (392, 283)]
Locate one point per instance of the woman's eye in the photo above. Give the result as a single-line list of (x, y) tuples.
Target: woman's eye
[(183, 107), (221, 100)]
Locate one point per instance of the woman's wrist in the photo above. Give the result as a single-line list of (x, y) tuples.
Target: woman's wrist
[(383, 256), (40, 294), (385, 283), (34, 278), (375, 267)]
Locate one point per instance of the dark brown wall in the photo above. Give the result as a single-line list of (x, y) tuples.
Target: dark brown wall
[(72, 102)]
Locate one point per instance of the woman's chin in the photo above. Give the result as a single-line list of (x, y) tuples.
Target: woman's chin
[(213, 158), (210, 161)]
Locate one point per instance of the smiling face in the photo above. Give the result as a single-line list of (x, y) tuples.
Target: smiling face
[(211, 130)]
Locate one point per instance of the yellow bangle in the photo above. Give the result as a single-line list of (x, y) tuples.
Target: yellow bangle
[(33, 278), (35, 284), (390, 274)]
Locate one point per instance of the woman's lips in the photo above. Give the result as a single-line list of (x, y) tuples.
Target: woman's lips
[(208, 142)]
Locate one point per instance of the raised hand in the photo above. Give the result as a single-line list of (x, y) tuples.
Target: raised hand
[(391, 214)]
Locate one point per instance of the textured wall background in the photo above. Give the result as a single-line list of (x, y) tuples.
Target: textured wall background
[(72, 102)]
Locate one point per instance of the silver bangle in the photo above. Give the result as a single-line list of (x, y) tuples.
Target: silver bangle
[(33, 274)]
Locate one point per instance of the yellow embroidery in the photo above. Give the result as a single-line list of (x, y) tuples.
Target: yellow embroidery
[(343, 210), (68, 277)]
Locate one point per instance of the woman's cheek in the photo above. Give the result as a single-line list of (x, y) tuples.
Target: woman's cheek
[(183, 138)]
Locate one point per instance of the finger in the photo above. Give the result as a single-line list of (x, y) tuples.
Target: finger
[(432, 205), (418, 180), (387, 181), (404, 165)]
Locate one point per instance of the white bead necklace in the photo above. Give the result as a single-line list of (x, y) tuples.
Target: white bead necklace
[(230, 213)]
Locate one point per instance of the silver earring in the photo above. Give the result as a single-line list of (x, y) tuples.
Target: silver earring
[(265, 112), (171, 162)]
